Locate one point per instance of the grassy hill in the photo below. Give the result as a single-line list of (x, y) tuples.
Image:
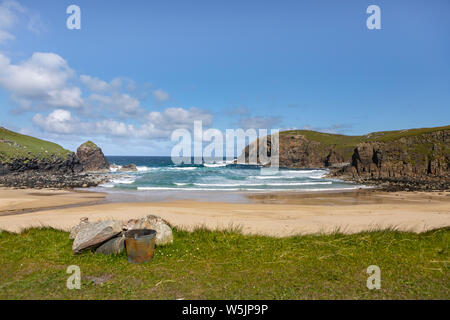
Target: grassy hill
[(18, 146), (346, 144)]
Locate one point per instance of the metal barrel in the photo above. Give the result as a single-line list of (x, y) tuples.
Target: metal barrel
[(140, 245)]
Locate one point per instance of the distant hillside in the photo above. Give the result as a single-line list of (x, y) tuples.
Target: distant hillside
[(411, 154), (20, 152), (345, 145)]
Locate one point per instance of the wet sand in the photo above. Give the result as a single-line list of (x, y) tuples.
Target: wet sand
[(17, 201), (278, 214)]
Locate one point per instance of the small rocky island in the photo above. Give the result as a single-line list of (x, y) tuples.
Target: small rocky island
[(92, 158)]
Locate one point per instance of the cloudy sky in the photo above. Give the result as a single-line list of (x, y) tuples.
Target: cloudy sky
[(138, 70)]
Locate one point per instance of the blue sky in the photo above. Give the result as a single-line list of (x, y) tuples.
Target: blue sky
[(138, 70)]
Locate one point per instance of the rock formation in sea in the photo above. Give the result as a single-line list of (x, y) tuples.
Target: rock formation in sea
[(92, 157), (129, 168)]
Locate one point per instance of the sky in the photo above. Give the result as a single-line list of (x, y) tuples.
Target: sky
[(138, 70)]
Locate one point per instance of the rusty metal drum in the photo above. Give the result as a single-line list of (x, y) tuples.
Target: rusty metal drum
[(140, 245)]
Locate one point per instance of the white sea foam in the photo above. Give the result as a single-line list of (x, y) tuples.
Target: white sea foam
[(293, 174), (245, 189), (182, 168), (106, 185), (144, 168), (260, 184), (187, 189), (214, 165), (123, 180), (114, 168)]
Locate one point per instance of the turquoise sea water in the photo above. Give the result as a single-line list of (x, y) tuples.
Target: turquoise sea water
[(159, 173)]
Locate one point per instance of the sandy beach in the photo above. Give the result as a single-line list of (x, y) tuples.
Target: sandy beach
[(269, 214)]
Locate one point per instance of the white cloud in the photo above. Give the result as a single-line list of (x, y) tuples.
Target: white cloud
[(41, 82), (97, 85), (158, 125), (5, 36), (160, 95), (8, 17), (121, 103), (59, 121), (11, 13)]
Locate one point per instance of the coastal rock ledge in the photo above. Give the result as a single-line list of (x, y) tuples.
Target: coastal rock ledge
[(411, 159)]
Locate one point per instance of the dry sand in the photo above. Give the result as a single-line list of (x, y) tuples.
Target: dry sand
[(269, 214)]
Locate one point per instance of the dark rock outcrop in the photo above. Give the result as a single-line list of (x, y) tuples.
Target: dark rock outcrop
[(297, 151), (30, 162), (129, 168), (57, 165), (21, 153), (416, 159), (420, 162), (92, 157), (36, 179), (411, 157)]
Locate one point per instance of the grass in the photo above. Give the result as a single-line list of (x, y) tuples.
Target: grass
[(89, 144), (14, 145), (228, 265)]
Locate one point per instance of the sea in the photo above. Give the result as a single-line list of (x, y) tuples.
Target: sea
[(161, 174)]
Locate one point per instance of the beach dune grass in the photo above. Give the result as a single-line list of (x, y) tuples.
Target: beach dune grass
[(228, 265)]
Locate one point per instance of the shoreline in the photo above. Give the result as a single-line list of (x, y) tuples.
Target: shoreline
[(227, 196), (273, 214)]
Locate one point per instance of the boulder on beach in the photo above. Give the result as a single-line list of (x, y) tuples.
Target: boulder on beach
[(92, 157), (163, 230), (93, 235)]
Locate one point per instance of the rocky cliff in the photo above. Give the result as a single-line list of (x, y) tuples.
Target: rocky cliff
[(310, 149), (34, 163), (415, 155), (420, 161), (21, 153), (92, 157)]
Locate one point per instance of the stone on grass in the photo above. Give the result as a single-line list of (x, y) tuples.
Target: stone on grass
[(74, 231), (163, 230), (94, 234), (112, 246)]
